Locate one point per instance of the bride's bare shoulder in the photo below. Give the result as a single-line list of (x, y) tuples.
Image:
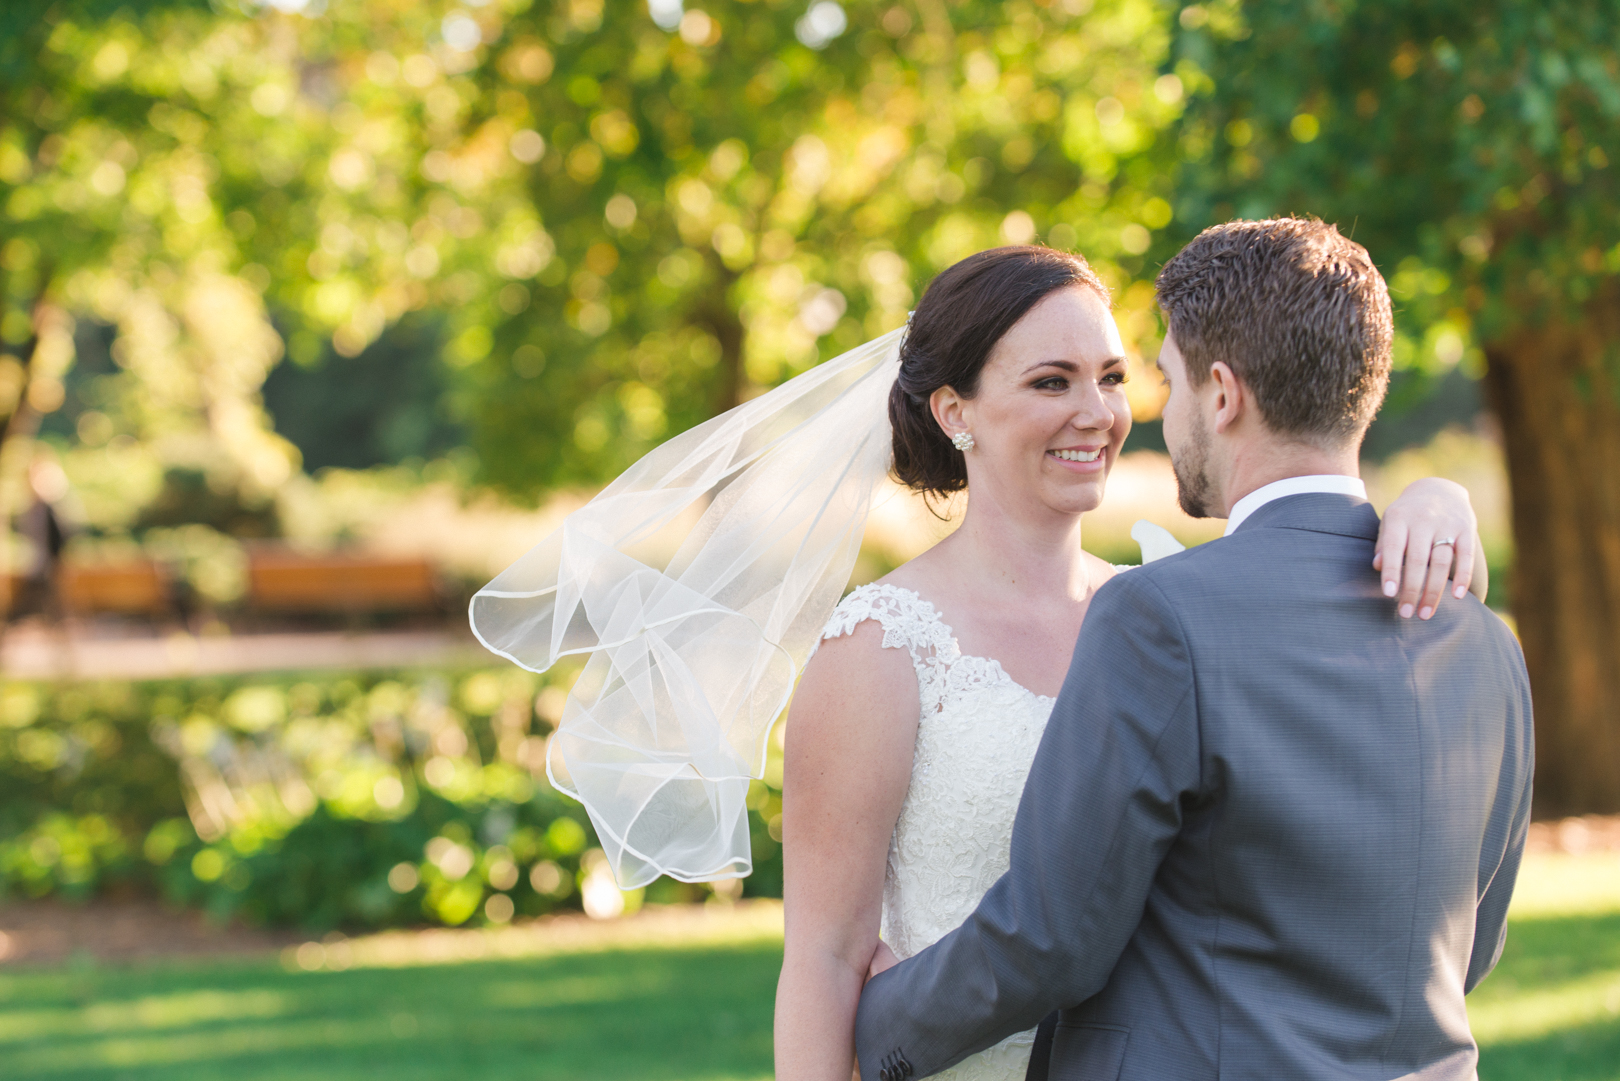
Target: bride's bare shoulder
[(856, 703), (849, 739), (854, 675), (856, 662)]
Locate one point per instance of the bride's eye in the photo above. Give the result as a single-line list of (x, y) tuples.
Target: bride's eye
[(1115, 378), (1052, 382)]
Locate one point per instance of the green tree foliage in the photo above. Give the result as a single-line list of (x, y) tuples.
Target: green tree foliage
[(629, 225), (1469, 145), (730, 193), (181, 171), (627, 222), (1464, 143), (106, 179)]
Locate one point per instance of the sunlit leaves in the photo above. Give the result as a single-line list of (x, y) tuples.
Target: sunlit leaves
[(788, 202), (1468, 138), (630, 222)]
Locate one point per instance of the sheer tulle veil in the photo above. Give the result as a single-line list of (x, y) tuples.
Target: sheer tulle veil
[(697, 583)]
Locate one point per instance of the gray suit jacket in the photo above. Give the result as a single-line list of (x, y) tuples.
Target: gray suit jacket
[(1271, 831)]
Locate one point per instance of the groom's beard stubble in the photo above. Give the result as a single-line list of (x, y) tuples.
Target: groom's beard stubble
[(1191, 466)]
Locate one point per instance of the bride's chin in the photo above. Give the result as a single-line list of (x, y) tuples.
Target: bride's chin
[(1081, 498)]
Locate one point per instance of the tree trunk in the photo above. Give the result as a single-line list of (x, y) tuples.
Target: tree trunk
[(10, 422), (721, 319), (725, 326), (17, 425), (1556, 390)]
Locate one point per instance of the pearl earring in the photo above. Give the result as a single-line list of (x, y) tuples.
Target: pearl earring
[(962, 441)]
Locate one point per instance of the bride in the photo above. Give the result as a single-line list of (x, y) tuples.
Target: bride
[(700, 581), (915, 723)]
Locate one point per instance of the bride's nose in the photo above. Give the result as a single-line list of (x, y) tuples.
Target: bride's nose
[(1092, 413)]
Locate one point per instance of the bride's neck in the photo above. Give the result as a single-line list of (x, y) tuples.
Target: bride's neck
[(1020, 554)]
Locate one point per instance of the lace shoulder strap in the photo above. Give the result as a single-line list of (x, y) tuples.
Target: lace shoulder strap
[(908, 622)]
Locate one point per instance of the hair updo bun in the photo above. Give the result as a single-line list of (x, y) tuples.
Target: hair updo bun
[(962, 315)]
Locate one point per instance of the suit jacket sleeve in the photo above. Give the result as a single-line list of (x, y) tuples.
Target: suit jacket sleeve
[(1496, 882), (1102, 806)]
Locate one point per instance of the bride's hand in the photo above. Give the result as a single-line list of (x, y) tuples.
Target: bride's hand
[(883, 959), (1414, 568)]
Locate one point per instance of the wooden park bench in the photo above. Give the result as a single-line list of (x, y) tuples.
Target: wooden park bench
[(12, 587), (139, 587), (280, 581)]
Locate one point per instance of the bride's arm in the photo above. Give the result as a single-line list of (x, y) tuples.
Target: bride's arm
[(1413, 567), (850, 738)]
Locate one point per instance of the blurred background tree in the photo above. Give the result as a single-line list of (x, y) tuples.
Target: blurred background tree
[(1469, 146), (700, 204), (738, 191), (190, 193), (113, 244)]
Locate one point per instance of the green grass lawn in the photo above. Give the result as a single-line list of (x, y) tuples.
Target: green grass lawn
[(696, 1008), (1551, 1010), (650, 1013)]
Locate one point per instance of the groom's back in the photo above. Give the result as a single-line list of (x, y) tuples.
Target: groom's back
[(1363, 775)]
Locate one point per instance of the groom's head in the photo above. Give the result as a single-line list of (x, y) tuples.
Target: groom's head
[(1278, 345)]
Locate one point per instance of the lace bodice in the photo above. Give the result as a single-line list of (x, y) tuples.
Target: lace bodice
[(976, 738)]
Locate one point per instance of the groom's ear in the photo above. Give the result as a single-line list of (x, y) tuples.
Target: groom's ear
[(1228, 395)]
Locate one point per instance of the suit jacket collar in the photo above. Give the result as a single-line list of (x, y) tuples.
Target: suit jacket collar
[(1318, 512)]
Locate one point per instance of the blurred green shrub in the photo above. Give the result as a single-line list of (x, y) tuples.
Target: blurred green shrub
[(360, 800), (81, 781)]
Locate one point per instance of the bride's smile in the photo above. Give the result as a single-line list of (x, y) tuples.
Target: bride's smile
[(1079, 455)]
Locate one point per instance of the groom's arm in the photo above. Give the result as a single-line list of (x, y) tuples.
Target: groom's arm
[(1496, 888), (1099, 811), (1490, 916)]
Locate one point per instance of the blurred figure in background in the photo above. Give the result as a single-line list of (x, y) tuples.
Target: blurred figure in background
[(41, 525)]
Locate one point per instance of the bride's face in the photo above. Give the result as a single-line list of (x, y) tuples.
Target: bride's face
[(1050, 414)]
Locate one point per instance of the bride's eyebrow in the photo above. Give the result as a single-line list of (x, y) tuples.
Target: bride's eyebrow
[(1071, 366)]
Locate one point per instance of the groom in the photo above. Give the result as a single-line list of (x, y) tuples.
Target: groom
[(1272, 829)]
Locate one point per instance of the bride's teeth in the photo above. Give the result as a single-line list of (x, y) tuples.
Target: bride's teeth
[(1078, 455)]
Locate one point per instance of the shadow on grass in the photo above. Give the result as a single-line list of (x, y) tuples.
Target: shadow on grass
[(646, 1014), (1584, 1053), (1551, 1010)]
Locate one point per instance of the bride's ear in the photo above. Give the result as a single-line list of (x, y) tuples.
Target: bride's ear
[(950, 411)]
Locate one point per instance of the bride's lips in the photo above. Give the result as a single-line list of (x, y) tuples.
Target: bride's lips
[(1081, 459)]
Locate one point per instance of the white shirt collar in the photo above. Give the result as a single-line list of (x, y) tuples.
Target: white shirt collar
[(1327, 483)]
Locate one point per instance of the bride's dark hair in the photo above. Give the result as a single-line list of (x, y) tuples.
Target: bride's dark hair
[(960, 318)]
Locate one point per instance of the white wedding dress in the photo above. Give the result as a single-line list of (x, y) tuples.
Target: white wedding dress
[(976, 738)]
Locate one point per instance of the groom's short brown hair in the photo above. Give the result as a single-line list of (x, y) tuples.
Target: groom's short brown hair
[(1297, 310)]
